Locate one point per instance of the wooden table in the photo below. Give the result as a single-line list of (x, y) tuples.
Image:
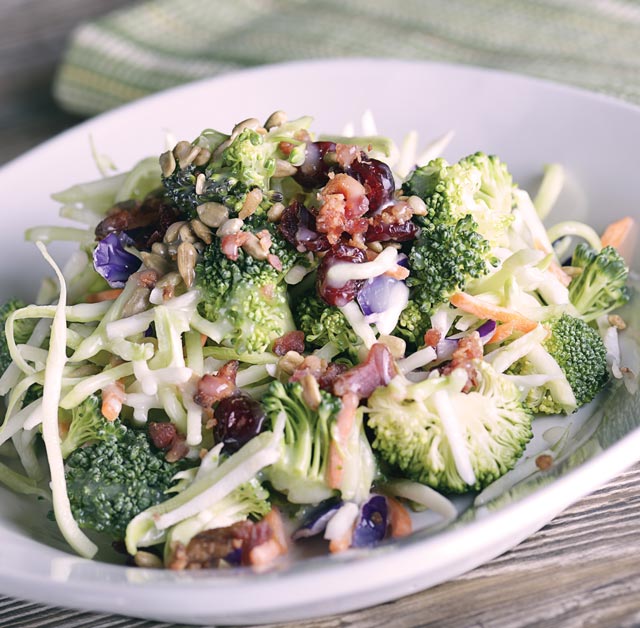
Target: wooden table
[(580, 570)]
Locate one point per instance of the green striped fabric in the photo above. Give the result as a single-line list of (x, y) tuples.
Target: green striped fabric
[(160, 43)]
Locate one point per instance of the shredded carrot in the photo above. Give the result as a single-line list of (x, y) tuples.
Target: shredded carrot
[(104, 295), (554, 267), (617, 232), (344, 422), (398, 272), (487, 311), (342, 544), (502, 332), (265, 553), (399, 519), (203, 339)]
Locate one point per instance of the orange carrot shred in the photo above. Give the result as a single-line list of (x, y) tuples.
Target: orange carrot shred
[(502, 332), (617, 232), (487, 311), (399, 519), (104, 295)]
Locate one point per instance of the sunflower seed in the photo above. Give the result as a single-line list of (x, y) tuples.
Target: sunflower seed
[(311, 391), (159, 248), (417, 205), (212, 214), (201, 231), (186, 233), (200, 183), (156, 262), (249, 123), (187, 256), (252, 247), (275, 212), (284, 169), (148, 560), (203, 157), (171, 234), (229, 227), (397, 346), (277, 118), (170, 279), (167, 163), (138, 302), (251, 203)]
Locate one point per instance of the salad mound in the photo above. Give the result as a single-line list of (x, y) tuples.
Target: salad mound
[(266, 336)]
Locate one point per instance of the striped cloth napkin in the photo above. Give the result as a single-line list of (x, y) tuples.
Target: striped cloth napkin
[(160, 43)]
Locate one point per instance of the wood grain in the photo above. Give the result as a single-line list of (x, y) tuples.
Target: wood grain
[(580, 570)]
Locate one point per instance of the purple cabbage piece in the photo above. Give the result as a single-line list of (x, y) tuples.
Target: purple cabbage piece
[(317, 519), (113, 262), (371, 527), (376, 295), (234, 557), (486, 331)]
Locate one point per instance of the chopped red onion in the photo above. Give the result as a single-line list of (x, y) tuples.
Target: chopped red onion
[(371, 525)]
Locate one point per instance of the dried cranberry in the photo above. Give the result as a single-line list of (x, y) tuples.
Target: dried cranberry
[(314, 172), (298, 227), (162, 435), (377, 179), (339, 295), (380, 231), (238, 419)]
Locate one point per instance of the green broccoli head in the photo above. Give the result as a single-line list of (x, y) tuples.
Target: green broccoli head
[(412, 324), (88, 425), (22, 330), (113, 480), (246, 296), (322, 324), (248, 162), (582, 356), (443, 258), (303, 469), (601, 286), (469, 211), (412, 436)]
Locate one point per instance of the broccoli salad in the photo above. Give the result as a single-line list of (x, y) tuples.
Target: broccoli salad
[(267, 336)]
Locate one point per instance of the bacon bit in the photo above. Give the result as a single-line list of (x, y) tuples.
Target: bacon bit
[(371, 254), (469, 348), (275, 261), (615, 320), (312, 365), (178, 449), (264, 238), (344, 424), (291, 341), (162, 435), (147, 278), (346, 154), (103, 295), (398, 272), (213, 388), (399, 519), (377, 370), (286, 148), (230, 244), (113, 397), (544, 462), (502, 332), (344, 202), (328, 377), (432, 337)]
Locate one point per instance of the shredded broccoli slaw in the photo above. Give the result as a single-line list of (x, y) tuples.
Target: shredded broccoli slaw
[(265, 331)]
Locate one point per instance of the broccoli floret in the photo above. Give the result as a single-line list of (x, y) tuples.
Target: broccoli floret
[(412, 324), (302, 469), (582, 356), (322, 324), (469, 211), (22, 330), (246, 297), (248, 162), (249, 501), (601, 286), (88, 425), (413, 437), (113, 480)]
